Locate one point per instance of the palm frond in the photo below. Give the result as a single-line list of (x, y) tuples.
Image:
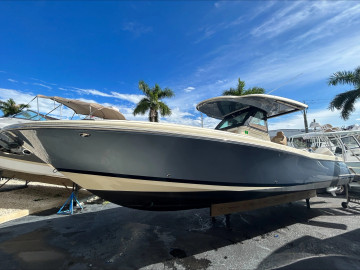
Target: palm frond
[(240, 91), (240, 86), (164, 109), (254, 90), (142, 107), (342, 77), (23, 106), (345, 102), (10, 107), (357, 77), (156, 89), (167, 92), (144, 87), (230, 92)]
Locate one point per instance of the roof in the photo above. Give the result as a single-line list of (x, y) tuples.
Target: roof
[(219, 107), (86, 108)]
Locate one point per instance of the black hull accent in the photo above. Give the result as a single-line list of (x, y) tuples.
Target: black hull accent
[(173, 201)]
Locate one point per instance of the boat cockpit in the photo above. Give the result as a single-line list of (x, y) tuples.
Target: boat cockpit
[(243, 121)]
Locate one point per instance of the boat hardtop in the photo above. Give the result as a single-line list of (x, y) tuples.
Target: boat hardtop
[(249, 114), (220, 107)]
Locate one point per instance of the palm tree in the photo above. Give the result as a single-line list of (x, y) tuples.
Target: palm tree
[(152, 101), (239, 91), (9, 107), (345, 101)]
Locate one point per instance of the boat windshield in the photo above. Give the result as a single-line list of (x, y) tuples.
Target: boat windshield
[(30, 115), (257, 119)]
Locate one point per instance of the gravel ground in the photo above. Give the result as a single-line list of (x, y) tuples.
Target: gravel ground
[(106, 236)]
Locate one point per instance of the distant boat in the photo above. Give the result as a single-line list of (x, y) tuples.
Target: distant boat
[(157, 166), (21, 165), (341, 143)]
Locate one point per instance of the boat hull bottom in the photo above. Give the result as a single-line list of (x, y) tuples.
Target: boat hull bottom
[(173, 201)]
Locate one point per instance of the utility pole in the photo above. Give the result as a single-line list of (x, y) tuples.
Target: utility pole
[(202, 120)]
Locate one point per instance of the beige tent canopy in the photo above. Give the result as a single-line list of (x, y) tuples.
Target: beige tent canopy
[(86, 108)]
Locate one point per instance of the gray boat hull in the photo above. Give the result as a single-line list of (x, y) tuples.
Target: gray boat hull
[(157, 170)]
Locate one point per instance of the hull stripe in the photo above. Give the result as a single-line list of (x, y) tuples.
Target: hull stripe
[(115, 184), (173, 180)]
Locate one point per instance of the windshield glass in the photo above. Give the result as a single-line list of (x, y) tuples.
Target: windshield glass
[(259, 121), (234, 120), (29, 115)]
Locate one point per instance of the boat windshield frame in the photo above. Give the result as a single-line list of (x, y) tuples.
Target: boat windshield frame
[(34, 117), (246, 117)]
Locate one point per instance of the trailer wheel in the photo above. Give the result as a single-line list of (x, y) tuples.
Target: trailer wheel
[(341, 190)]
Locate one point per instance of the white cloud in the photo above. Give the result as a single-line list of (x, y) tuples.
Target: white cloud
[(301, 13), (12, 80), (92, 92), (346, 18), (18, 96), (128, 97), (189, 89), (136, 28), (43, 85), (42, 81), (281, 22), (278, 67), (221, 81), (182, 117)]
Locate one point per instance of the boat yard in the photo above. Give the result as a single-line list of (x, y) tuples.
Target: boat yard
[(257, 219), (107, 236), (180, 135)]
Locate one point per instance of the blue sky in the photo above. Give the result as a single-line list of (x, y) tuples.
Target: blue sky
[(99, 50)]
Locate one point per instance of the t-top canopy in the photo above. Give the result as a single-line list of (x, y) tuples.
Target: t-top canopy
[(219, 107), (86, 108)]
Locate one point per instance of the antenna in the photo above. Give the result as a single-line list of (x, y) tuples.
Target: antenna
[(287, 82)]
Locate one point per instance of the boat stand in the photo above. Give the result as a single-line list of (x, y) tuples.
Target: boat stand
[(71, 201), (353, 198), (234, 207), (10, 189)]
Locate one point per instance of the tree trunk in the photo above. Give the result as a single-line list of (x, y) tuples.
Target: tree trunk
[(153, 116)]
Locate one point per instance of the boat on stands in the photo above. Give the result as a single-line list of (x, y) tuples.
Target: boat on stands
[(160, 166), (25, 166)]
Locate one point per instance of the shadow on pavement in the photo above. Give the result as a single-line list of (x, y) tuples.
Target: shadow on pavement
[(111, 237), (313, 253)]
